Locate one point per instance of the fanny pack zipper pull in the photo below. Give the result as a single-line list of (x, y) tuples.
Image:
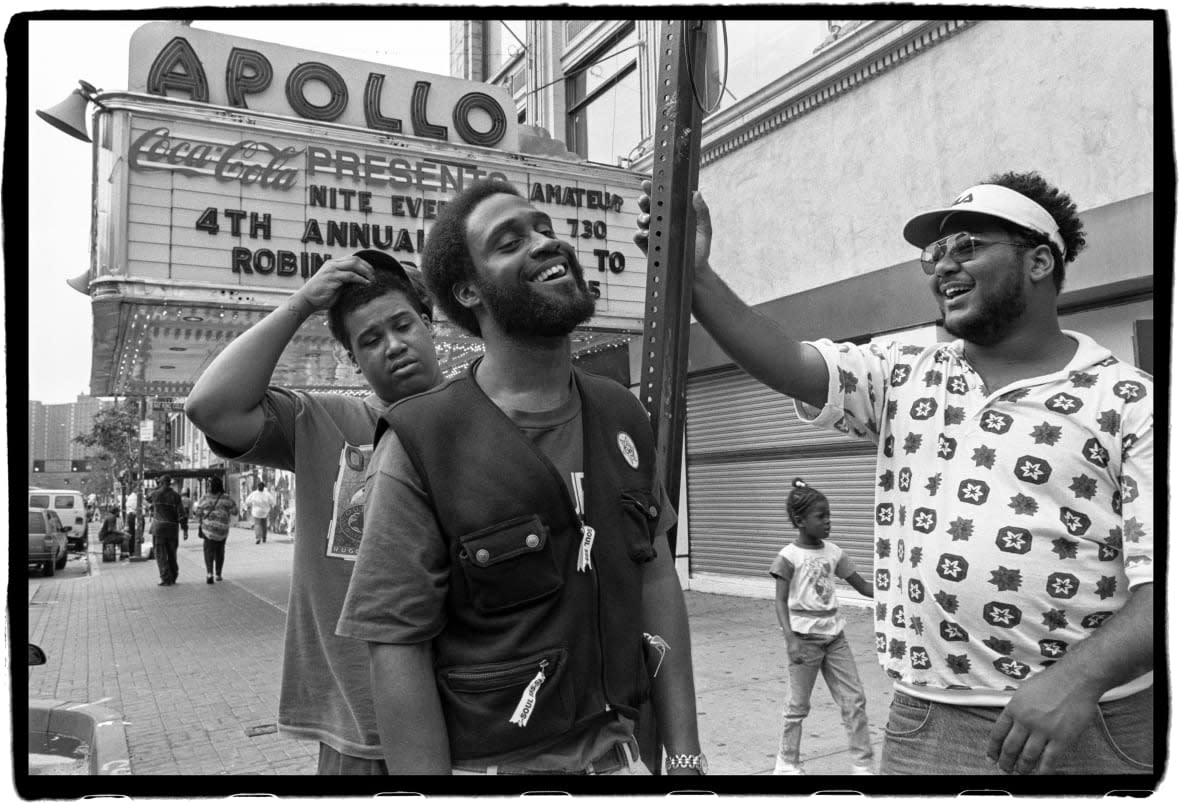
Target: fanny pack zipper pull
[(528, 699), (584, 552)]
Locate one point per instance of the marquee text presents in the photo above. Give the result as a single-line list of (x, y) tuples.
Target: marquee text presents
[(211, 206)]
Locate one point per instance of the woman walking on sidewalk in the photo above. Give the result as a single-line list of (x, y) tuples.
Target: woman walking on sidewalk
[(213, 515)]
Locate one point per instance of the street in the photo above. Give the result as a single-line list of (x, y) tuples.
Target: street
[(194, 669)]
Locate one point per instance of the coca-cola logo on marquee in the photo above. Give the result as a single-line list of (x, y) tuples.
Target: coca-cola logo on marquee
[(246, 161)]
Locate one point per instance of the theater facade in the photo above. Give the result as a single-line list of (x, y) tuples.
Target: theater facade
[(230, 169)]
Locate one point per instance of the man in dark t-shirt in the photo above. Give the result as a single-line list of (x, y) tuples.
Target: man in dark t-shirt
[(167, 510)]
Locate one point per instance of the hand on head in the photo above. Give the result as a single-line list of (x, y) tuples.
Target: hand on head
[(321, 290)]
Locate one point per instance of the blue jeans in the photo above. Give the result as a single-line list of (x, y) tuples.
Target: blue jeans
[(923, 737), (830, 655)]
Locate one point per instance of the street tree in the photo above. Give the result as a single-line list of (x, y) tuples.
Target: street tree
[(114, 438)]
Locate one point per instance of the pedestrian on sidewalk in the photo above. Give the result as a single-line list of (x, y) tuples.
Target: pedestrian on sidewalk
[(512, 563), (380, 316), (186, 502), (214, 511), (166, 513), (809, 616), (134, 528), (1014, 515), (259, 502), (109, 533)]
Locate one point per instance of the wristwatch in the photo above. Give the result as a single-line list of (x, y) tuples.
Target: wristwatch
[(695, 761)]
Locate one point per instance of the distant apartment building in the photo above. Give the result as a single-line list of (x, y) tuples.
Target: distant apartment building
[(55, 459)]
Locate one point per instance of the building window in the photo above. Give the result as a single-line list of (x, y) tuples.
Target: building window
[(603, 102), (505, 60), (575, 27), (762, 51), (505, 43)]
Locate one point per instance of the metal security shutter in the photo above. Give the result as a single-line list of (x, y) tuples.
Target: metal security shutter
[(745, 446)]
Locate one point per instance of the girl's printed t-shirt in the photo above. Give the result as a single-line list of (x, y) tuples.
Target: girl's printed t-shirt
[(811, 572)]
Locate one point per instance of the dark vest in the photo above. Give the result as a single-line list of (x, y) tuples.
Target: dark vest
[(520, 614)]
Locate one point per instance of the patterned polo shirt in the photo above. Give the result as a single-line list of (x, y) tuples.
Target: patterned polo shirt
[(1009, 525)]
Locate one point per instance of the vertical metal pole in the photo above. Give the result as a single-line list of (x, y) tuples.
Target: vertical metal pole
[(137, 535), (671, 243)]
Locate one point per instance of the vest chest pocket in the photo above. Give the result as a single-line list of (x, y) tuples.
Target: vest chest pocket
[(643, 511), (509, 565)]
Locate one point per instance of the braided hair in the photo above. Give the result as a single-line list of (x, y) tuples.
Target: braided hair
[(800, 500)]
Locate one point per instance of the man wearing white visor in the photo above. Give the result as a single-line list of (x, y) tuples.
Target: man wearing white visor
[(1014, 505)]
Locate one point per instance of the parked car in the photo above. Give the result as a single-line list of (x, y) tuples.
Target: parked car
[(47, 541), (70, 507)]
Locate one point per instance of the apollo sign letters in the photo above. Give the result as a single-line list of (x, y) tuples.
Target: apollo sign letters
[(170, 59)]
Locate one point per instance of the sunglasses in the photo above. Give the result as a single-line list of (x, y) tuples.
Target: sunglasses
[(959, 248)]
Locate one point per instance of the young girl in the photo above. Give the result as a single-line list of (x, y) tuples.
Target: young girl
[(805, 602)]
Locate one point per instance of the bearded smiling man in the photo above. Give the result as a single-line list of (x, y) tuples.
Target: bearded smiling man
[(514, 556), (1014, 507)]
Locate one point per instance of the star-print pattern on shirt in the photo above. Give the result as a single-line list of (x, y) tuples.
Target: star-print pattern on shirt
[(1008, 530)]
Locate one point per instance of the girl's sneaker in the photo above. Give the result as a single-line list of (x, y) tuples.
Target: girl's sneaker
[(784, 768), (863, 770)]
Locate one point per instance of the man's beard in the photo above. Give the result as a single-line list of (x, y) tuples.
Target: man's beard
[(522, 312), (992, 321)]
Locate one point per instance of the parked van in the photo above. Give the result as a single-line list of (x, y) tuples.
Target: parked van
[(70, 509)]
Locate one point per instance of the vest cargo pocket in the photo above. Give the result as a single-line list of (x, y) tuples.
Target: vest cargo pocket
[(509, 565), (641, 508), (500, 707)]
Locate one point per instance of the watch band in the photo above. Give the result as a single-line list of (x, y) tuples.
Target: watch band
[(694, 761)]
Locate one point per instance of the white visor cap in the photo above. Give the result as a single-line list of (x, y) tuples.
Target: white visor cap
[(985, 199)]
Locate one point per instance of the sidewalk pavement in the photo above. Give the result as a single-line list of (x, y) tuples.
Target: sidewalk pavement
[(194, 669)]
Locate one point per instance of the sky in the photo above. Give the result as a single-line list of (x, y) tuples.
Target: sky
[(63, 52)]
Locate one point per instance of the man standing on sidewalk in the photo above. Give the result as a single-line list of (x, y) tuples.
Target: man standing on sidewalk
[(515, 552), (381, 318), (1014, 505), (129, 505), (167, 510), (258, 503)]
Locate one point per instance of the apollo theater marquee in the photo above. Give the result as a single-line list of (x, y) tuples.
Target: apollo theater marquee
[(231, 169)]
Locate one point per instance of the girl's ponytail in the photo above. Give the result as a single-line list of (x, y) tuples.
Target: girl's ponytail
[(800, 500)]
